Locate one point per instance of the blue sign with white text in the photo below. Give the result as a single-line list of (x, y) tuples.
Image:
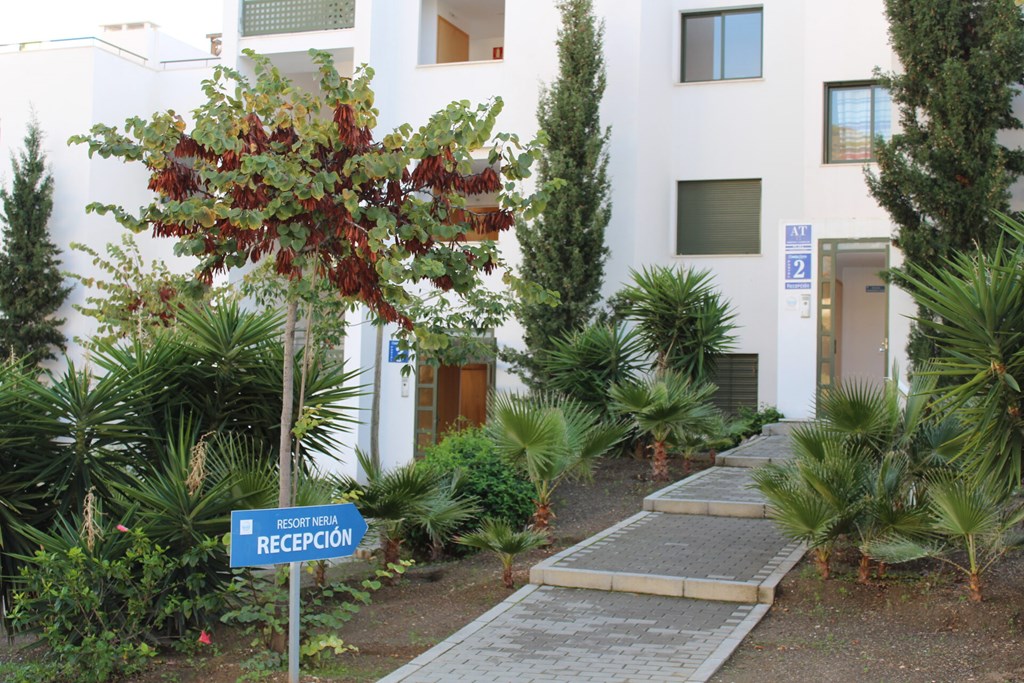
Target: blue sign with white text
[(300, 534), (798, 266), (798, 237), (395, 354)]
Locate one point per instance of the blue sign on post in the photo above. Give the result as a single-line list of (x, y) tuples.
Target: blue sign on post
[(300, 534)]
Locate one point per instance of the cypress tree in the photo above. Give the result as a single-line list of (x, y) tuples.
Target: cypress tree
[(31, 285), (943, 175), (564, 249)]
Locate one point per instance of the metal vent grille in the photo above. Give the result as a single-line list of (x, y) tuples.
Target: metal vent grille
[(736, 378), (266, 17)]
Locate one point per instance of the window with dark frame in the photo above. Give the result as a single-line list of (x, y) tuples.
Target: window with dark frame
[(721, 45), (856, 116), (718, 217)]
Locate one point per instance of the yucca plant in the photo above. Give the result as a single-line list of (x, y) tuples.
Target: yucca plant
[(583, 364), (974, 516), (405, 497), (683, 320), (498, 537), (976, 306), (551, 439), (669, 408)]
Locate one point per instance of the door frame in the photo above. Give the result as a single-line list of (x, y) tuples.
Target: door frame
[(828, 250), (425, 402)]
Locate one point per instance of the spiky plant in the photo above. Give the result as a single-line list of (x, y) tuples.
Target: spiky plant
[(551, 439), (669, 408), (974, 516), (404, 497), (498, 537), (684, 321), (585, 363)]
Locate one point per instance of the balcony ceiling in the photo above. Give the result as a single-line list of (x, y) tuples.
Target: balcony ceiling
[(477, 9)]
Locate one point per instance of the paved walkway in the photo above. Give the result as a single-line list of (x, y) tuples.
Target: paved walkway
[(665, 595)]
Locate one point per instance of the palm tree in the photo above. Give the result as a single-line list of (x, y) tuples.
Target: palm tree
[(668, 407), (551, 440), (497, 536), (975, 516), (682, 319), (406, 497)]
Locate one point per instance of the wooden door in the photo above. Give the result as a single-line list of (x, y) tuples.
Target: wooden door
[(473, 393), (452, 43)]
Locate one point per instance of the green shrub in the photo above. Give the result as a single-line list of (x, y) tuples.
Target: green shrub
[(501, 491), (101, 605), (756, 419)]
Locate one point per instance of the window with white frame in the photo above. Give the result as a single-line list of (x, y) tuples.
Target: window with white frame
[(721, 45)]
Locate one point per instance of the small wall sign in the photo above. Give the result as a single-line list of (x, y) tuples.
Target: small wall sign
[(875, 289)]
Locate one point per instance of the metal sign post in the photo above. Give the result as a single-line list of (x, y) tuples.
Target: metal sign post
[(293, 536)]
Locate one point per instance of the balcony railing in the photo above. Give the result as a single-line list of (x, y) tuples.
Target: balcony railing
[(266, 17)]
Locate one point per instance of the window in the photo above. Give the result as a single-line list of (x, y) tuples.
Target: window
[(856, 116), (721, 45), (718, 217), (459, 31)]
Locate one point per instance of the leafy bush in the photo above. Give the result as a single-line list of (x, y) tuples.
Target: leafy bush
[(260, 599), (102, 604), (755, 420), (501, 491), (481, 475)]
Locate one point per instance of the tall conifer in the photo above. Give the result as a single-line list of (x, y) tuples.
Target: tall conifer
[(564, 249), (31, 285), (944, 174)]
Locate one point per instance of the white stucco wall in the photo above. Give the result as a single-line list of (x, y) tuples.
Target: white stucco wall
[(71, 87)]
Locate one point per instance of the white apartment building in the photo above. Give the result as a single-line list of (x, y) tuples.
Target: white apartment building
[(121, 70), (739, 137)]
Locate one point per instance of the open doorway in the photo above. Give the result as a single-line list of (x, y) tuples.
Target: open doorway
[(853, 312), (450, 396), (457, 31)]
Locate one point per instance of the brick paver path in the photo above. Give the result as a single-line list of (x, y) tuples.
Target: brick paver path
[(549, 633)]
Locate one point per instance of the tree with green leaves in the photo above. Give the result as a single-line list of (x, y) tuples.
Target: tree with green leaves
[(272, 171), (33, 287), (564, 250), (944, 174)]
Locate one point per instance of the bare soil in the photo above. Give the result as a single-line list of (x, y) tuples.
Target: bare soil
[(915, 624)]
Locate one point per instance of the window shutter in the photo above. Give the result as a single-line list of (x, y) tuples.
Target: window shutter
[(719, 217), (736, 378)]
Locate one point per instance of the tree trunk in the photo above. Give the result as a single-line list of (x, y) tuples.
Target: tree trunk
[(375, 406), (864, 569), (821, 561), (287, 405), (659, 465), (391, 548), (506, 574), (542, 515), (974, 585), (880, 570), (284, 459)]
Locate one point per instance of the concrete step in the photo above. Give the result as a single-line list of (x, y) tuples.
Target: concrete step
[(716, 491), (691, 556), (756, 451)]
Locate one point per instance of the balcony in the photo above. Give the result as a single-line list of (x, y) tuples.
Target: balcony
[(271, 17)]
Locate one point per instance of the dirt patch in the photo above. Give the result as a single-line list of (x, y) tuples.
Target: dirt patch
[(914, 626)]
